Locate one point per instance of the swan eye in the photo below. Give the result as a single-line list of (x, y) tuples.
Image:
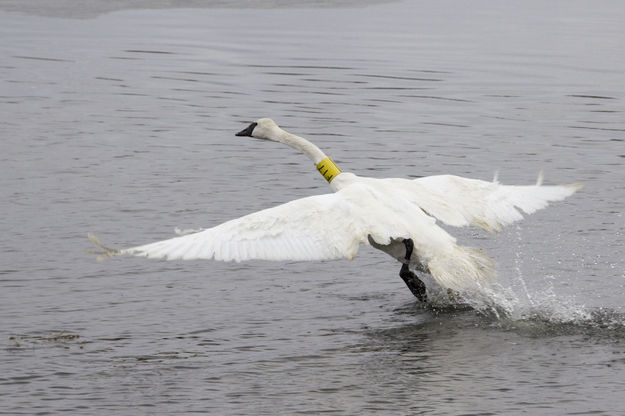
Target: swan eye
[(248, 131)]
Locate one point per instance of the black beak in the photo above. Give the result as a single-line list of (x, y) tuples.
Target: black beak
[(248, 131)]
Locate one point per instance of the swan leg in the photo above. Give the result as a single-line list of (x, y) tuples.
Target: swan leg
[(416, 286)]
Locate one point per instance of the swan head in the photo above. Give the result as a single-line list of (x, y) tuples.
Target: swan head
[(263, 128)]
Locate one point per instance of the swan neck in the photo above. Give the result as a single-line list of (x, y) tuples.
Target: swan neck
[(299, 143), (324, 164)]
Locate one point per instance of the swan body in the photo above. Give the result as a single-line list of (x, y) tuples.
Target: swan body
[(384, 213)]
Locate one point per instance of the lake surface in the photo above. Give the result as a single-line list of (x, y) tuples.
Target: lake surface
[(119, 120)]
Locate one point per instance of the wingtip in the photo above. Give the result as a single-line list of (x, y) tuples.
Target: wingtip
[(575, 186), (541, 177), (93, 239), (101, 255)]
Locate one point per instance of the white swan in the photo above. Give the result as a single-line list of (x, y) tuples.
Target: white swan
[(397, 216)]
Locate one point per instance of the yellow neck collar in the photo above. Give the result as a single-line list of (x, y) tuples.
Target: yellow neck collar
[(328, 169)]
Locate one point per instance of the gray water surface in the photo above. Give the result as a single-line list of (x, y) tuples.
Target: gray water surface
[(123, 124)]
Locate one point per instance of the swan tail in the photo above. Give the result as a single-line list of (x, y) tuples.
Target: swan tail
[(105, 252), (465, 268)]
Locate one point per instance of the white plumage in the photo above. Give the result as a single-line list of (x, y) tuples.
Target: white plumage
[(382, 212)]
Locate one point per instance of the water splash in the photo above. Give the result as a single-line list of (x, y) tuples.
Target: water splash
[(544, 313), (515, 302)]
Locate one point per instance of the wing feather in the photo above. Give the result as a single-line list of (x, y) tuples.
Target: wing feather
[(312, 228), (461, 201)]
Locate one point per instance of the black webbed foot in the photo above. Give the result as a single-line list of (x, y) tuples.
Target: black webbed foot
[(416, 286)]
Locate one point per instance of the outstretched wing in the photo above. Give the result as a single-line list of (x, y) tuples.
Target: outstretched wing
[(320, 227), (313, 228), (460, 201)]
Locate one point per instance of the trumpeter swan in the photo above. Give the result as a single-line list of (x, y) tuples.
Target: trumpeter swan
[(396, 216)]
